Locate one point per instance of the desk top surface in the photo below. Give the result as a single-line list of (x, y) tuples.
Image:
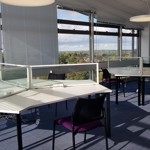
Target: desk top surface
[(130, 71), (43, 93)]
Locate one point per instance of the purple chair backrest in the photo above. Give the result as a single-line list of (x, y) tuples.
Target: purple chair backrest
[(87, 110)]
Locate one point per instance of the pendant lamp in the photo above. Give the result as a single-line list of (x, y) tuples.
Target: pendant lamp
[(140, 18), (28, 3)]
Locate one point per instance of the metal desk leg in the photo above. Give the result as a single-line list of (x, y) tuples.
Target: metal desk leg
[(117, 90), (19, 133), (143, 90), (139, 91), (108, 115)]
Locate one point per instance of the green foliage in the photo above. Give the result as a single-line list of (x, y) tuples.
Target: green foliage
[(75, 57), (78, 75)]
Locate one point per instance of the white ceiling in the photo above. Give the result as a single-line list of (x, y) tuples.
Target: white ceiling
[(113, 11)]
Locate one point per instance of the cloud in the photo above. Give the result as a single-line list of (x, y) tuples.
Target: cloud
[(72, 38), (69, 42), (73, 42)]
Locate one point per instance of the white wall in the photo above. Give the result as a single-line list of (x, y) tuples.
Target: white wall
[(145, 42), (30, 34)]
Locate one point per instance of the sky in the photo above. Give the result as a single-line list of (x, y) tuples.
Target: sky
[(70, 42)]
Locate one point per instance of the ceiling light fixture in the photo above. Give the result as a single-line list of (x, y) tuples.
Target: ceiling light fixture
[(142, 18), (28, 3)]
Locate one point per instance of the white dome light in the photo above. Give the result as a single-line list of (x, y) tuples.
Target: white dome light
[(140, 18), (28, 3)]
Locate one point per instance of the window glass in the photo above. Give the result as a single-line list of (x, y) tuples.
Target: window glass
[(73, 27), (126, 46), (104, 29), (126, 31), (71, 15), (73, 46), (105, 46)]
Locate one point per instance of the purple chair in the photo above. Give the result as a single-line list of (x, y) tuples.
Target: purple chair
[(108, 81), (86, 116)]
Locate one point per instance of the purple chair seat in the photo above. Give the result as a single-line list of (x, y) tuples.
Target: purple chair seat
[(67, 123)]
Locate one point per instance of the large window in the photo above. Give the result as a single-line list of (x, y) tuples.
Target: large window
[(74, 37)]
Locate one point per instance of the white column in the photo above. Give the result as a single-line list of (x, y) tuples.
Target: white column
[(91, 42), (91, 20), (145, 42), (120, 42)]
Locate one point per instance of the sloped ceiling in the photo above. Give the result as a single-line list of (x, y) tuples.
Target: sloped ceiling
[(111, 11)]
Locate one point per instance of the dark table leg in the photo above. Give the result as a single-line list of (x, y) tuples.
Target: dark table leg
[(139, 91), (19, 132), (117, 90), (143, 90), (108, 115)]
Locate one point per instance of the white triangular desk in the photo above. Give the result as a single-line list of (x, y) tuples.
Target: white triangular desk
[(43, 93)]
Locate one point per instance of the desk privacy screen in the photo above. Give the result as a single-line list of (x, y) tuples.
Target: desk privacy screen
[(16, 78)]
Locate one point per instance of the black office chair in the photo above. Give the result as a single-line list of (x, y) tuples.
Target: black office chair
[(108, 81), (87, 115), (54, 76)]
